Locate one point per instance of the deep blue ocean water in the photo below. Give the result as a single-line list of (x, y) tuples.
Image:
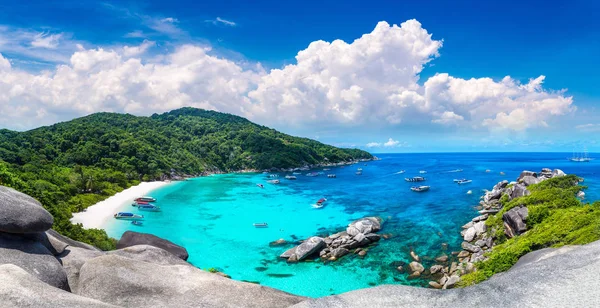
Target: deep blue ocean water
[(213, 216)]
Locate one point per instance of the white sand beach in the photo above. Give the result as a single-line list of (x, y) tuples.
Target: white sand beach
[(96, 215)]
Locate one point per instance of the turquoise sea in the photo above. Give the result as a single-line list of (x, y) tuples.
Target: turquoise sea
[(213, 216)]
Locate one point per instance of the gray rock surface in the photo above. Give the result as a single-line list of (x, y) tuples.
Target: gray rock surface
[(469, 234), (515, 218), (18, 288), (73, 243), (131, 238), (364, 226), (149, 254), (33, 257), (519, 190), (529, 180), (20, 213), (72, 260), (125, 282), (564, 277), (308, 247)]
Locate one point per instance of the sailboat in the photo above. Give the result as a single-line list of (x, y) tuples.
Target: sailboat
[(581, 158)]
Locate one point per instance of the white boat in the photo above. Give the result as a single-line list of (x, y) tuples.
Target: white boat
[(420, 188), (422, 172), (148, 208), (469, 192), (401, 172), (128, 216), (274, 181), (415, 179), (464, 181), (331, 176), (273, 175), (261, 225), (144, 199), (290, 177), (581, 158), (359, 169), (260, 185)]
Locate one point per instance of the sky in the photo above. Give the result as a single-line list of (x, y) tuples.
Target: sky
[(386, 76)]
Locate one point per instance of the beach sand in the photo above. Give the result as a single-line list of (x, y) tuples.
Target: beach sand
[(96, 216)]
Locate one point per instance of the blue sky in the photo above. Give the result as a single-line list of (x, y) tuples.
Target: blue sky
[(485, 40)]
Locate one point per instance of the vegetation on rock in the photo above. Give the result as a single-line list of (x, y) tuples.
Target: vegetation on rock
[(72, 165), (556, 218)]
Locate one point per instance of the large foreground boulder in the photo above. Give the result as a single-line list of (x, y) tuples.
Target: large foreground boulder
[(20, 213), (57, 237), (72, 260), (126, 282), (18, 288), (33, 257), (564, 277), (131, 238)]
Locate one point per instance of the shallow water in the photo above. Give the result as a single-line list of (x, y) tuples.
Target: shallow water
[(213, 216)]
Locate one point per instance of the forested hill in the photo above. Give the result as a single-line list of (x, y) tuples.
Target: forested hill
[(69, 166), (186, 140)]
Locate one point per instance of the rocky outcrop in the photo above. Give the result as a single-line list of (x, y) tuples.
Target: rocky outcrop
[(514, 221), (359, 233), (131, 238), (20, 213), (18, 288), (127, 282), (572, 283)]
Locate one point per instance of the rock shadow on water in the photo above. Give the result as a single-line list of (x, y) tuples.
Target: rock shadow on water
[(274, 275)]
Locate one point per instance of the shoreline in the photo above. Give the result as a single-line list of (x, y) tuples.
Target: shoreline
[(96, 216)]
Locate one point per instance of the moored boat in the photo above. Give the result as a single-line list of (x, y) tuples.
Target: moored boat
[(312, 174), (464, 181), (331, 176), (128, 216), (422, 172), (415, 179), (144, 199), (274, 181), (261, 225), (260, 185), (420, 188), (149, 208), (138, 203), (290, 177)]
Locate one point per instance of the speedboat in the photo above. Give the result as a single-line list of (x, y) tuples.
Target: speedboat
[(260, 185), (138, 203), (274, 181), (318, 205), (145, 199), (290, 177), (331, 176), (419, 188), (261, 225), (312, 174), (459, 180), (464, 181), (128, 216), (401, 171), (415, 179), (137, 223), (359, 169), (422, 172), (149, 208), (273, 175)]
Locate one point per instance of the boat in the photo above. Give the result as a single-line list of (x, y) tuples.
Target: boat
[(128, 216), (464, 181), (260, 185), (322, 200), (488, 170), (326, 169), (261, 225), (415, 179), (312, 174), (358, 172), (331, 176), (273, 175), (359, 169), (401, 172), (149, 208), (458, 180), (581, 158), (419, 188), (469, 192), (144, 199), (137, 223), (320, 203), (422, 172), (456, 170), (290, 177), (274, 181), (138, 203)]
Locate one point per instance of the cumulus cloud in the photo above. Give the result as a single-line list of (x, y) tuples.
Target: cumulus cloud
[(373, 145), (372, 81), (391, 143)]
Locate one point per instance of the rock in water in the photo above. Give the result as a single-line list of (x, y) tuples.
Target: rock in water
[(308, 247), (18, 288), (130, 283), (469, 234), (34, 258), (442, 258), (364, 226), (479, 228), (131, 238), (339, 252), (416, 267), (20, 213), (436, 268)]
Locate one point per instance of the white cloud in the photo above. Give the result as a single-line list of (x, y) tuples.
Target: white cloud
[(373, 145), (370, 82), (46, 40), (391, 143), (135, 34), (221, 21), (583, 127), (137, 50)]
